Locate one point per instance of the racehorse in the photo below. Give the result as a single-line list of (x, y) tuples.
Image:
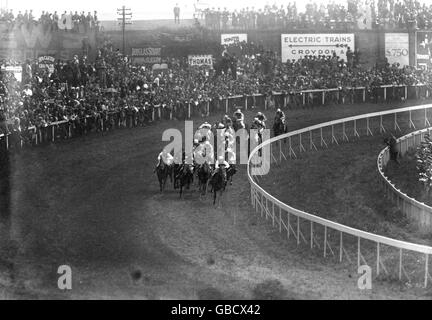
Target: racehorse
[(279, 127), (163, 171), (204, 174), (185, 177), (218, 182), (231, 171)]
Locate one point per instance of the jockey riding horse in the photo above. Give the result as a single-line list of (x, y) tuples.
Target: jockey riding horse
[(279, 125)]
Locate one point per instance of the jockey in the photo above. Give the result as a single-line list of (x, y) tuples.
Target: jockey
[(238, 115), (204, 131), (220, 162), (227, 121), (206, 151), (260, 116), (166, 157), (280, 115), (258, 124)]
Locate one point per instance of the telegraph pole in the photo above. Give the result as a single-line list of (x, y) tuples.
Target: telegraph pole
[(126, 17)]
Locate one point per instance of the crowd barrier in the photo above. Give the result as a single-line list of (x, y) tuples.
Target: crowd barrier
[(186, 110), (326, 234), (412, 208)]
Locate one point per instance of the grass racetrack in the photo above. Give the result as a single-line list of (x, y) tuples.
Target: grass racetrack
[(93, 203)]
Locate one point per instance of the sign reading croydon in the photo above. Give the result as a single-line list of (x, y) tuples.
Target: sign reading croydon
[(397, 48), (296, 46)]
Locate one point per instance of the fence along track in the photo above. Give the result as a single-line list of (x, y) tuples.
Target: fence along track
[(288, 219), (412, 208)]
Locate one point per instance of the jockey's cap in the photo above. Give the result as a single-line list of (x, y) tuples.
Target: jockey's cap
[(205, 125), (221, 126), (238, 111), (278, 111)]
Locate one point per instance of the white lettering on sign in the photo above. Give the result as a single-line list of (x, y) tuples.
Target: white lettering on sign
[(137, 52), (229, 38), (200, 60), (296, 46)]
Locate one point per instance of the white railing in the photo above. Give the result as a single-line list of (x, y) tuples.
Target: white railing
[(415, 210), (288, 218)]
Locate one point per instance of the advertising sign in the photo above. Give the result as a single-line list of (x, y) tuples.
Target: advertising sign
[(296, 46), (423, 50), (397, 48), (146, 55), (16, 70), (231, 38), (201, 60), (46, 62)]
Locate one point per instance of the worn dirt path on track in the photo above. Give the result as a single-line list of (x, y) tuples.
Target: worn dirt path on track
[(93, 203)]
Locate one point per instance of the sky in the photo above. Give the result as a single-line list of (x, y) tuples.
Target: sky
[(141, 9)]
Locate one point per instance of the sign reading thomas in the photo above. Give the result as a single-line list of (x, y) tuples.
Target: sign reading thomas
[(201, 60), (232, 38), (146, 55), (297, 46)]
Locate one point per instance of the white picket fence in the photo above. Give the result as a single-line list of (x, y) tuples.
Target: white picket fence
[(415, 210), (289, 219)]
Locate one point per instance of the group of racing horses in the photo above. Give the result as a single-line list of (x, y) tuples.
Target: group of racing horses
[(214, 175)]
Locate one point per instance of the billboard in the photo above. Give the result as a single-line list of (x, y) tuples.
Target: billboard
[(397, 48), (146, 55), (16, 70), (423, 49), (231, 38), (201, 60), (296, 46), (46, 62)]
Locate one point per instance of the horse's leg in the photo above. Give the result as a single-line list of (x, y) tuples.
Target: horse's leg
[(181, 189), (214, 196)]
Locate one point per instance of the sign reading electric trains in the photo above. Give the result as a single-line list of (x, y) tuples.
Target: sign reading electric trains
[(297, 46)]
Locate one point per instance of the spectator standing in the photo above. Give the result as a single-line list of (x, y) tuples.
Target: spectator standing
[(177, 14)]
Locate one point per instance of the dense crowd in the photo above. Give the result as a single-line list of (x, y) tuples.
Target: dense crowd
[(365, 14), (75, 22), (114, 92)]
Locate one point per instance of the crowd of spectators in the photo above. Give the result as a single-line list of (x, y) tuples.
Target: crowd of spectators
[(75, 22), (114, 92), (365, 14)]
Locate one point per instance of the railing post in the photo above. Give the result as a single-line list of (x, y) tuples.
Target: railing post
[(426, 270), (325, 241), (246, 103), (400, 263), (340, 247), (189, 110), (364, 94), (358, 252), (378, 258), (226, 106), (311, 234)]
